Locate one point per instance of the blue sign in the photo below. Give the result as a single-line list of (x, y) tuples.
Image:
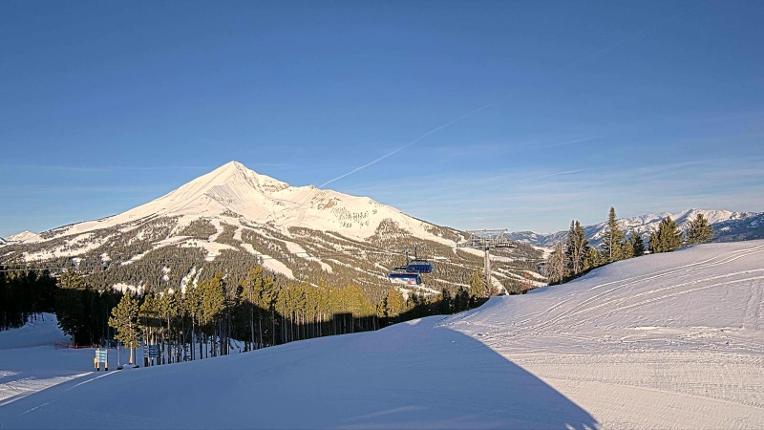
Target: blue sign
[(151, 351)]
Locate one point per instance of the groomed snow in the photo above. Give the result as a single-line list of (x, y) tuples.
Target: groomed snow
[(30, 362), (661, 341)]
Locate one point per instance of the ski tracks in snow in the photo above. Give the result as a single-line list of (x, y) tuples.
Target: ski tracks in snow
[(677, 347)]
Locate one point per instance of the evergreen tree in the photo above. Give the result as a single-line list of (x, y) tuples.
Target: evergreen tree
[(555, 268), (252, 286), (169, 309), (124, 319), (396, 303), (213, 299), (638, 245), (699, 230), (667, 238), (191, 306), (477, 285), (627, 247), (446, 302), (70, 307), (612, 239), (577, 248), (461, 300), (23, 294), (592, 259)]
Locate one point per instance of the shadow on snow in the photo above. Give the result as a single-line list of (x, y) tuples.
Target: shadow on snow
[(409, 375)]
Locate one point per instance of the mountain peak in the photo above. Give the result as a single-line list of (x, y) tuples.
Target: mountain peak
[(232, 190), (232, 167), (24, 236), (237, 175)]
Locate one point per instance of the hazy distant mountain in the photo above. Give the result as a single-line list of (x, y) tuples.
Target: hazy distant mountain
[(231, 217), (728, 226), (24, 236)]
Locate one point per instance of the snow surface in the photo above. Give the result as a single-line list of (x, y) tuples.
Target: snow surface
[(661, 341), (29, 362)]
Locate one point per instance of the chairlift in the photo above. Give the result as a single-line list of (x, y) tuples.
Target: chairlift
[(418, 265), (402, 275)]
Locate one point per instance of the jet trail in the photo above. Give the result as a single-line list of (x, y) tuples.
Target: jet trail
[(573, 63), (408, 144)]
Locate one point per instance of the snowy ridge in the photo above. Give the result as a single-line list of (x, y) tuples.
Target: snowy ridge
[(728, 225), (661, 341), (234, 189), (24, 236)]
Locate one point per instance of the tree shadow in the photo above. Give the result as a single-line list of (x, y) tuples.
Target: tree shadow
[(415, 374), (455, 381)]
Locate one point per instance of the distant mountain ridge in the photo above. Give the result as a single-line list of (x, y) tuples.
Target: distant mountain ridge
[(232, 217), (24, 236), (728, 226)]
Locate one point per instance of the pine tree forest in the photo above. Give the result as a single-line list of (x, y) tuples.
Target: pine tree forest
[(221, 312)]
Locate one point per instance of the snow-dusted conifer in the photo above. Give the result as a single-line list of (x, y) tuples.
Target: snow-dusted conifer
[(699, 230)]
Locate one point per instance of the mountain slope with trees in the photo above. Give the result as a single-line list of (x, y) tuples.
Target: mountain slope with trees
[(233, 218)]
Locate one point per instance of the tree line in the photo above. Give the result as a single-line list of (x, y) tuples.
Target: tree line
[(203, 320), (574, 257), (257, 312), (23, 295)]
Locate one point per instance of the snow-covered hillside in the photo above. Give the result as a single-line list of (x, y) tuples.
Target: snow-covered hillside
[(22, 237), (662, 341), (235, 191), (728, 226), (233, 216)]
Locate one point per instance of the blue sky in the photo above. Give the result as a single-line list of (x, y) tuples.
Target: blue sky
[(522, 114)]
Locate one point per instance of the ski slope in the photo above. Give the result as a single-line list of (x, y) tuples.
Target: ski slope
[(661, 341), (30, 362)]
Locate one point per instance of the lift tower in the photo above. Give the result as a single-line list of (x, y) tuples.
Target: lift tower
[(486, 240)]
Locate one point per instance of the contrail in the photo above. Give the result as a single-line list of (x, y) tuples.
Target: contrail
[(566, 172), (408, 144), (570, 64), (570, 142)]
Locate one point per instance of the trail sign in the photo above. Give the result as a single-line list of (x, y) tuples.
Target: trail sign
[(151, 351), (101, 357)]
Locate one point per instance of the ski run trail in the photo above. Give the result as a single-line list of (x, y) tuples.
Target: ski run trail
[(660, 341)]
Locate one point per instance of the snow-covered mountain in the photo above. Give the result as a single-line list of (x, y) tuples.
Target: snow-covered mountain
[(728, 226), (234, 191), (24, 236), (233, 216)]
